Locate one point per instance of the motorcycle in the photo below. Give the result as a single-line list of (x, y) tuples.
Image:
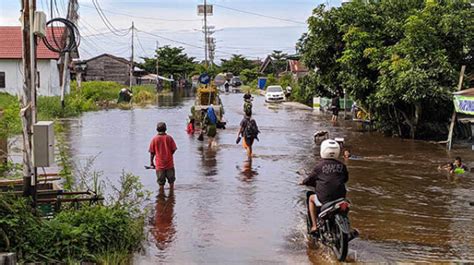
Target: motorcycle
[(334, 229)]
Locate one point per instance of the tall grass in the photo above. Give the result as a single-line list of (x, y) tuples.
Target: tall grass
[(93, 95)]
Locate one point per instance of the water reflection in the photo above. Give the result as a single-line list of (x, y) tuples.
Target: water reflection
[(174, 98), (247, 172), (164, 229), (208, 160)]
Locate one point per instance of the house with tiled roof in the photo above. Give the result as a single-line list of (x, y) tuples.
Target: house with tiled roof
[(11, 66)]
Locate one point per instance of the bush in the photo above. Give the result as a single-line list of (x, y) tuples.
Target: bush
[(98, 233), (10, 123), (99, 90)]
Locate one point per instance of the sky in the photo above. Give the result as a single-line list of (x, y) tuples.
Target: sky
[(276, 25)]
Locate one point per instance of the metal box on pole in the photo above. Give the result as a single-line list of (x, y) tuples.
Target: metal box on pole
[(43, 144)]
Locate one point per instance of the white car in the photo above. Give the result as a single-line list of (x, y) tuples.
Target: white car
[(274, 94)]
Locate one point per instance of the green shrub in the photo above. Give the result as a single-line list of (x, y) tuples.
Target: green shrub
[(100, 90), (97, 233), (10, 123), (143, 97)]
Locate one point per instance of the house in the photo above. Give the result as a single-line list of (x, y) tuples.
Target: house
[(107, 67), (296, 68), (11, 65), (293, 66)]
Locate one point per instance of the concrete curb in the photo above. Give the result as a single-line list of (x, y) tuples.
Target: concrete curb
[(297, 105)]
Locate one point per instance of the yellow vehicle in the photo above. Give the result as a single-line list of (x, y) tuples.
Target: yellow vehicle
[(206, 96)]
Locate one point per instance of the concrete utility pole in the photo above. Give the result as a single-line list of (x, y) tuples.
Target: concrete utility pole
[(28, 94), (205, 34), (131, 58)]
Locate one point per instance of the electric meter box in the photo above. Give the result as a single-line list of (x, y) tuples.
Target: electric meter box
[(39, 24), (43, 144)]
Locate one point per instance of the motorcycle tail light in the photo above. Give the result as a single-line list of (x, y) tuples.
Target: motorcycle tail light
[(344, 206)]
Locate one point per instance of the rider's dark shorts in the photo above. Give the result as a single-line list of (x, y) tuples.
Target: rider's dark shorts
[(165, 174)]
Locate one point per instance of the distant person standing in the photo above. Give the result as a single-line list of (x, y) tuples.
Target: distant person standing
[(162, 149), (248, 104), (249, 132), (335, 103)]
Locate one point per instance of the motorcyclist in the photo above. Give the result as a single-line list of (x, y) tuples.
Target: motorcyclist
[(328, 177)]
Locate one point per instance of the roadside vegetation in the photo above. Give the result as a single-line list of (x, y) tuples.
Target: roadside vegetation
[(104, 233), (399, 60), (94, 95)]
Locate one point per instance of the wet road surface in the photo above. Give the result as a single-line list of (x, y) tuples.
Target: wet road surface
[(227, 210)]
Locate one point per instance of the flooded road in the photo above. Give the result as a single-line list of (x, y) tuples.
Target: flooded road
[(227, 210)]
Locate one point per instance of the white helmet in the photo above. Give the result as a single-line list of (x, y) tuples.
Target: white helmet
[(330, 149)]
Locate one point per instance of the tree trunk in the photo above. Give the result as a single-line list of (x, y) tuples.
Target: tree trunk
[(410, 124)]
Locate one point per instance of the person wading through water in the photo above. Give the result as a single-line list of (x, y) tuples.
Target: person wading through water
[(162, 149), (211, 125), (248, 104), (249, 131)]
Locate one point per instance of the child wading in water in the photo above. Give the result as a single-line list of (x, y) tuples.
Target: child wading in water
[(249, 132)]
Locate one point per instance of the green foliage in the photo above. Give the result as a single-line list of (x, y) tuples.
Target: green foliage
[(99, 233), (212, 70), (144, 94), (99, 90), (10, 123), (398, 59), (278, 64), (249, 75), (172, 61), (236, 64)]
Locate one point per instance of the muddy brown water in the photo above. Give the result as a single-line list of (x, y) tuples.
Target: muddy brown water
[(226, 210)]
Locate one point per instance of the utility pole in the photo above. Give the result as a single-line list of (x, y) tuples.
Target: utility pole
[(205, 34), (131, 58), (28, 95), (71, 16), (157, 58)]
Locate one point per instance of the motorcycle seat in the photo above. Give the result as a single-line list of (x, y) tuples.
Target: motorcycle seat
[(330, 204)]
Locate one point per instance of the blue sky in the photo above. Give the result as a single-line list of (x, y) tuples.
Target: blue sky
[(236, 32)]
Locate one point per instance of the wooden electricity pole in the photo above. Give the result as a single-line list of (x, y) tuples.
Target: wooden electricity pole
[(453, 117), (72, 16), (131, 58), (28, 94)]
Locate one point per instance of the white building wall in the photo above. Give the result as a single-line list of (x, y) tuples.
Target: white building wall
[(48, 71)]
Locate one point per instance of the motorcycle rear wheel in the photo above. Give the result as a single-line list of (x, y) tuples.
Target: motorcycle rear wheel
[(340, 245)]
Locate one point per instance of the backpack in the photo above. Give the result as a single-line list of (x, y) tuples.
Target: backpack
[(251, 129), (248, 108)]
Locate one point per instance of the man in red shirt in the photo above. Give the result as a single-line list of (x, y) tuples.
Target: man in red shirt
[(162, 148)]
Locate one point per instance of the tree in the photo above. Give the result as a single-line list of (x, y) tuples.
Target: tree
[(278, 64), (399, 59), (172, 61), (236, 64)]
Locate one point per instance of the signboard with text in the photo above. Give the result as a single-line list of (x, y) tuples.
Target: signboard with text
[(464, 104), (208, 8)]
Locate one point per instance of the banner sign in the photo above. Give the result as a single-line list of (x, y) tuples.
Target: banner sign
[(208, 10), (464, 104)]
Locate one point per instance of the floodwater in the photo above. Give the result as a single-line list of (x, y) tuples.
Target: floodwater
[(227, 210)]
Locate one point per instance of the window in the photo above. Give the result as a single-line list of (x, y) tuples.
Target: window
[(2, 79), (38, 81)]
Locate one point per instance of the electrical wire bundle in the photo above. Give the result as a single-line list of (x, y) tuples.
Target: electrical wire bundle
[(62, 41)]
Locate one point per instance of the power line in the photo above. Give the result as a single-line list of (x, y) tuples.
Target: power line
[(108, 32), (142, 17), (140, 44), (172, 40), (105, 20), (260, 15)]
